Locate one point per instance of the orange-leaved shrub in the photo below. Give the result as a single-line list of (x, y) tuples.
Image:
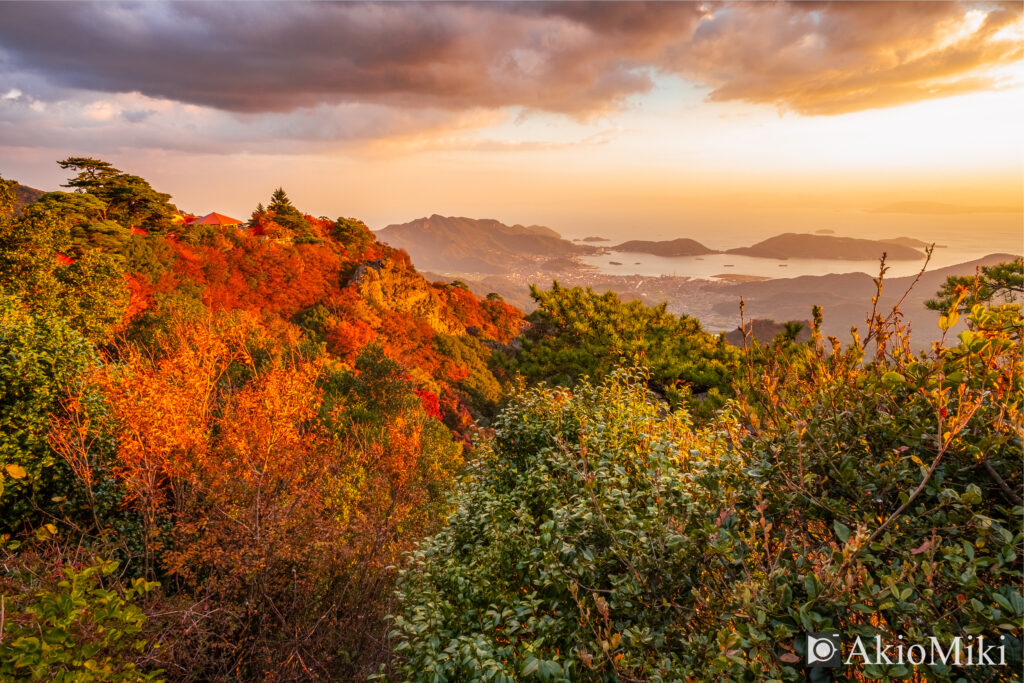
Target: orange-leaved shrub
[(275, 492)]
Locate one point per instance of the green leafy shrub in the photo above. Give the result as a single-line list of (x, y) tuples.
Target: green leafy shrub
[(87, 291), (75, 628), (581, 534), (576, 333), (600, 537), (41, 359)]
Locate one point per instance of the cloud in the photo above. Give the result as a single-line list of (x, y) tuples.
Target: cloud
[(449, 140), (844, 57), (575, 58), (263, 57), (99, 123), (309, 77)]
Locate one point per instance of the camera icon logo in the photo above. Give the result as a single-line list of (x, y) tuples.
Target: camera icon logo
[(824, 650)]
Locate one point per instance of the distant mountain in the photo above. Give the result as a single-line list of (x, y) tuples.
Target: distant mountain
[(909, 242), (539, 229), (477, 245), (764, 331), (793, 245), (25, 195), (846, 298), (594, 238), (678, 247)]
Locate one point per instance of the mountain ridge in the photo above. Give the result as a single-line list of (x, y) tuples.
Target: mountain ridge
[(476, 245), (805, 245), (25, 195)]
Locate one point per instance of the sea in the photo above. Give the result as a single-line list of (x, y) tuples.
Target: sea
[(958, 239), (711, 266)]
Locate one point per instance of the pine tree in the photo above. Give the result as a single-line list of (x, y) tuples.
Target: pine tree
[(284, 213)]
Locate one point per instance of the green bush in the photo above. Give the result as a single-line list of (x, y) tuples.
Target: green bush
[(583, 529), (74, 629), (41, 358), (600, 537), (576, 333)]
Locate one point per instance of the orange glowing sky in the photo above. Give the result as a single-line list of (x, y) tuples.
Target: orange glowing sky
[(714, 121)]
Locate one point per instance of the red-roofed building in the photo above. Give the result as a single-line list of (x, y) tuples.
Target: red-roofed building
[(216, 219)]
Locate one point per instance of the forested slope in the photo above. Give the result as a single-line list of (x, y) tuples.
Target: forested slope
[(275, 452), (258, 420)]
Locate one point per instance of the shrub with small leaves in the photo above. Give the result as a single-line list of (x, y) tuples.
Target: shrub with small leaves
[(75, 629), (600, 537), (588, 523)]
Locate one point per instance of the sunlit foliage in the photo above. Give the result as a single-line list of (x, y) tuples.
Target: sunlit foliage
[(220, 446), (602, 537), (576, 333)]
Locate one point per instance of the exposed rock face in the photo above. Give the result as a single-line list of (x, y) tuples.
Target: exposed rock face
[(392, 286)]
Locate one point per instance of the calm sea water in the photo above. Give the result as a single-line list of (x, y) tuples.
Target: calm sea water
[(706, 267), (965, 238)]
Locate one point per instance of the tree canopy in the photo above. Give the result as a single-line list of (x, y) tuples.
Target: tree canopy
[(128, 199), (576, 333), (997, 283)]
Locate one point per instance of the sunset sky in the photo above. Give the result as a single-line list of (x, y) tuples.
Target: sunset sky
[(705, 120)]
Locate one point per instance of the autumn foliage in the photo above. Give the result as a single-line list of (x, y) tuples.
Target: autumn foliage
[(273, 417), (275, 452)]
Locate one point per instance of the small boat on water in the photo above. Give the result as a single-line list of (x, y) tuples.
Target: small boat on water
[(614, 263), (783, 265), (729, 265)]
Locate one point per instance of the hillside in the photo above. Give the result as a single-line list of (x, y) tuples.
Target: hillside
[(469, 245), (489, 285), (846, 298), (764, 331), (25, 195), (794, 245), (275, 451), (677, 247), (258, 420)]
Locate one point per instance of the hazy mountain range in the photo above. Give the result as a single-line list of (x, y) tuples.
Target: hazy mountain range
[(789, 245), (493, 257), (793, 245), (846, 299), (488, 246), (677, 247), (456, 244)]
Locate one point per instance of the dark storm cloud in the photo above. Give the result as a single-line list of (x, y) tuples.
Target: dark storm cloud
[(575, 58), (276, 57)]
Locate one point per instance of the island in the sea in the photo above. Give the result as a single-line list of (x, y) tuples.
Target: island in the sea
[(795, 246), (677, 247)]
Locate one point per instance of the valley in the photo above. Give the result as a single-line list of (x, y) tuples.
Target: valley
[(714, 300)]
